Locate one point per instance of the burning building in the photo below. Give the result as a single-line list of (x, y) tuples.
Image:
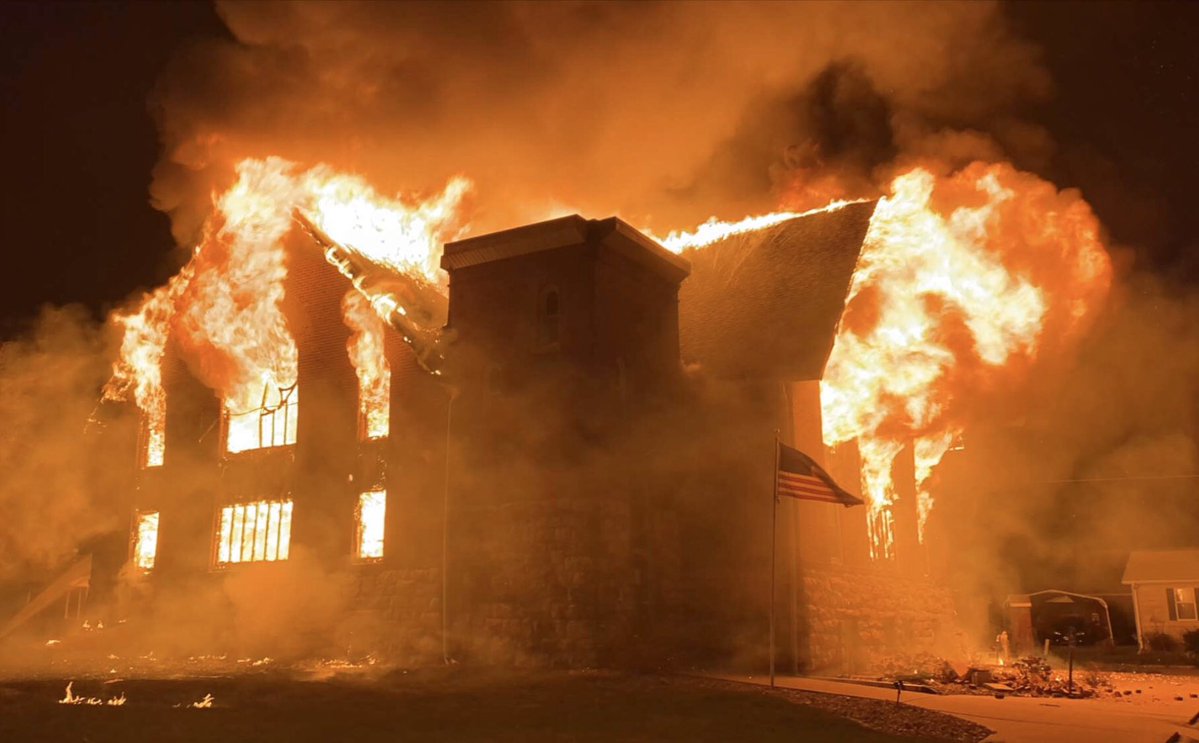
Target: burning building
[(554, 443), (544, 492)]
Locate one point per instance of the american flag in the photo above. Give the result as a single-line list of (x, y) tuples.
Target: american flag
[(800, 477)]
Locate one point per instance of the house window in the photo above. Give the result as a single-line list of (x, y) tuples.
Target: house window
[(271, 424), (1182, 604), (145, 539), (254, 532), (369, 516), (549, 317)]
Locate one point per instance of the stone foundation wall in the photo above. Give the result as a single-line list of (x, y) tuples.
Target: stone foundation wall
[(543, 582), (396, 614), (854, 619)]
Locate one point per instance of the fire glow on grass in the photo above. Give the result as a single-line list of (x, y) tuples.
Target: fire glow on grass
[(71, 698), (225, 306), (960, 279)]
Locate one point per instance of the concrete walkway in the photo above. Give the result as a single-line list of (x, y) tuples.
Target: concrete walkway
[(1027, 719)]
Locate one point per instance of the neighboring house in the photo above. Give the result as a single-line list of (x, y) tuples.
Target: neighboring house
[(1164, 591)]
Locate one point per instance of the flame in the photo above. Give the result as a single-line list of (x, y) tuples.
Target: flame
[(371, 513), (71, 698), (226, 306), (145, 546), (960, 281), (714, 230), (143, 343), (254, 532), (365, 347)]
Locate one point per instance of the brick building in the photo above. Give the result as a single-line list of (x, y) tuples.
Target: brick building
[(587, 482)]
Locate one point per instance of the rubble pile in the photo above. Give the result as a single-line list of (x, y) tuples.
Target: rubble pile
[(1030, 676)]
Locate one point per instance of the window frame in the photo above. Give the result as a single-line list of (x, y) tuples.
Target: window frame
[(544, 341), (282, 541), (1192, 603), (288, 406), (139, 517)]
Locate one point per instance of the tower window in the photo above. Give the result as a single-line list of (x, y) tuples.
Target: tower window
[(549, 317)]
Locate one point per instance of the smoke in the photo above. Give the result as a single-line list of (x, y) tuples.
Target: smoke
[(1094, 455), (665, 113), (61, 472)]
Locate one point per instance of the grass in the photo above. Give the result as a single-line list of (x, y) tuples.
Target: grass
[(419, 706)]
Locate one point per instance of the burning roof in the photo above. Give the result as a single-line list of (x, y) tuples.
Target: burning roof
[(749, 293)]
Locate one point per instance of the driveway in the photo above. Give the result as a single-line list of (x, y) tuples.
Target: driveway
[(1032, 719)]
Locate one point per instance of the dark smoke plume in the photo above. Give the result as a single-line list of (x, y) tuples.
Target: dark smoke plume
[(665, 113)]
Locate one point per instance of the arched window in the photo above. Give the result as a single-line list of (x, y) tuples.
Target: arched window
[(549, 317)]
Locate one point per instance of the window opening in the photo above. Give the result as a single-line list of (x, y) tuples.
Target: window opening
[(254, 532)]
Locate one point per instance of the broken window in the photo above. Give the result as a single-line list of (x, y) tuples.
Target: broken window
[(369, 516), (145, 539), (254, 532), (1182, 603), (271, 424)]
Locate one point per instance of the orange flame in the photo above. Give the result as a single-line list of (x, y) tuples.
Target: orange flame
[(365, 347), (960, 281), (143, 343), (714, 230), (145, 544), (226, 306)]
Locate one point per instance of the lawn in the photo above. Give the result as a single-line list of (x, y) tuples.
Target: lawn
[(439, 704)]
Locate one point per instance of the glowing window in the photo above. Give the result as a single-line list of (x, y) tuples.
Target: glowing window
[(154, 439), (271, 424), (372, 507), (254, 532), (1184, 603), (145, 539)]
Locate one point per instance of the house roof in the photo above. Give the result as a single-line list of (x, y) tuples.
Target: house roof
[(612, 233), (767, 303), (1166, 566)]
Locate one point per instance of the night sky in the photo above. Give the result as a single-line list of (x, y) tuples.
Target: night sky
[(79, 141)]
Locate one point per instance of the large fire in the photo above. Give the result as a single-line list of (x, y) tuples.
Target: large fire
[(365, 347), (225, 308), (960, 280)]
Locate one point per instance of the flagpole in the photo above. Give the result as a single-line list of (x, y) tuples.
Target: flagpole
[(774, 512)]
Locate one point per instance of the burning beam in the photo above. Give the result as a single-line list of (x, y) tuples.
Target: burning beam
[(401, 306)]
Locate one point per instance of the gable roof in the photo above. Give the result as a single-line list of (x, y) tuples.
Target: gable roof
[(767, 303), (1164, 566), (611, 233)]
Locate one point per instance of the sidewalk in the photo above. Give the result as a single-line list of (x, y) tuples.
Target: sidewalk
[(1023, 719)]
